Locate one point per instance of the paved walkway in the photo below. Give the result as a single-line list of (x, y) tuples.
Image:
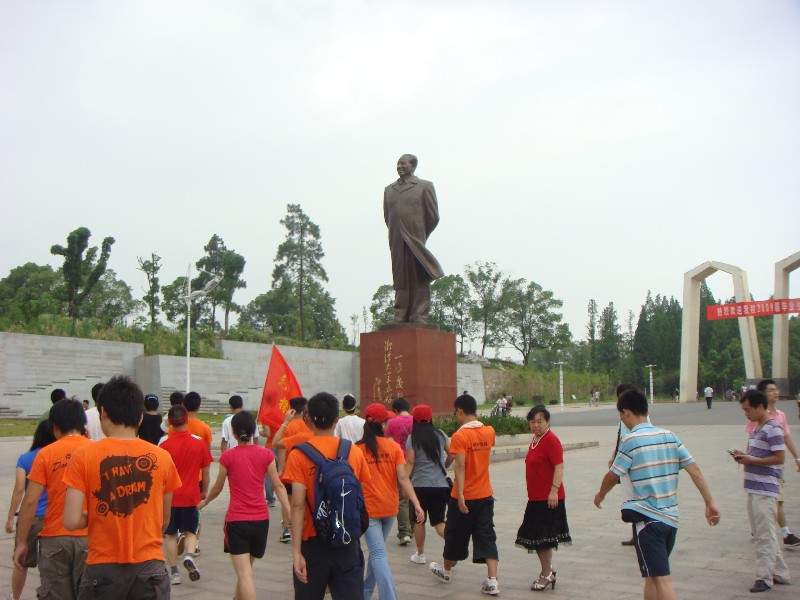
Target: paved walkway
[(708, 563)]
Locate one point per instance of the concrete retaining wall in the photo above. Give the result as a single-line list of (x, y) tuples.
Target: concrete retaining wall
[(32, 365)]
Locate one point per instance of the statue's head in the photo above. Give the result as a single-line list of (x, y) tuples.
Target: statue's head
[(406, 164)]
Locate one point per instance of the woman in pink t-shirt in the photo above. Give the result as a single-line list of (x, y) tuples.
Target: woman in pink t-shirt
[(247, 520)]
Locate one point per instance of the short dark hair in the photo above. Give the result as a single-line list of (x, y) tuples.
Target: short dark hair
[(192, 401), (323, 409), (624, 387), (96, 391), (175, 398), (244, 425), (122, 401), (68, 415), (298, 403), (412, 159), (400, 405), (539, 408), (349, 403), (151, 402), (634, 400), (466, 403), (762, 385), (57, 394), (235, 402), (754, 398), (43, 436), (177, 413)]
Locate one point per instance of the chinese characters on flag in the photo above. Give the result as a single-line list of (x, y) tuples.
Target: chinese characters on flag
[(279, 387), (762, 308)]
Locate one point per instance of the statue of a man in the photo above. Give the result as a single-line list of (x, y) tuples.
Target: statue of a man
[(411, 214)]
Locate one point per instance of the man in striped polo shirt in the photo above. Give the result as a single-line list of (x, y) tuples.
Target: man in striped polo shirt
[(653, 458), (763, 469)]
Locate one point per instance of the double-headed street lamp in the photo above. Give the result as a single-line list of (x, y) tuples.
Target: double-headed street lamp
[(189, 296)]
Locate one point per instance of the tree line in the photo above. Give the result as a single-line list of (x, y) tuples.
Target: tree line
[(486, 310)]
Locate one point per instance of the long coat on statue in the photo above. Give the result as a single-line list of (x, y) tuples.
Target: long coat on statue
[(411, 214)]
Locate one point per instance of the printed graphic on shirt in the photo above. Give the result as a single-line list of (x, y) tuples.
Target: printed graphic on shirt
[(125, 483)]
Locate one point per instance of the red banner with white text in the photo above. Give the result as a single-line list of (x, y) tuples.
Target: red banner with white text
[(762, 308)]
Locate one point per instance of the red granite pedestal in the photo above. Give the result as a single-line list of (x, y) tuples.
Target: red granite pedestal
[(417, 364)]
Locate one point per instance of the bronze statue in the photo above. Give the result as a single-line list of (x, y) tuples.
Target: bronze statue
[(411, 214)]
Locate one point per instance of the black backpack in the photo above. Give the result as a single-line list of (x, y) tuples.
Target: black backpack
[(340, 514)]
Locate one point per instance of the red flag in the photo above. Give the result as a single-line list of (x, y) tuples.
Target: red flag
[(279, 387)]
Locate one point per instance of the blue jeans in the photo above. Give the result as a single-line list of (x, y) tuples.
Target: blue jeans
[(377, 566), (269, 493)]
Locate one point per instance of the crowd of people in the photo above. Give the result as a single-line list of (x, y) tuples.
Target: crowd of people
[(108, 500)]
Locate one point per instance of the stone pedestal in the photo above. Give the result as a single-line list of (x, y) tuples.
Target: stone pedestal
[(417, 364)]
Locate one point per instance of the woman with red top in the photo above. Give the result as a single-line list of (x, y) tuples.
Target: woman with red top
[(247, 519), (387, 470), (544, 526)]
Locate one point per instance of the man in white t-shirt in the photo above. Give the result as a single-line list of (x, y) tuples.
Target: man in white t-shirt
[(228, 439), (709, 394), (93, 416), (351, 426)]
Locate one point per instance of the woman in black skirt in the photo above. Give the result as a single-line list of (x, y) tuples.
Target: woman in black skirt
[(544, 526)]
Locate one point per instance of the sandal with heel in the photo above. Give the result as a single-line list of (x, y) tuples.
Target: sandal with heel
[(543, 582)]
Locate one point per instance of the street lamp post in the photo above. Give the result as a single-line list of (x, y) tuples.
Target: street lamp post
[(190, 295), (561, 385), (651, 381)]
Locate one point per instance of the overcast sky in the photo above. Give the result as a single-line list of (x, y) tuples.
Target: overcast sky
[(600, 149)]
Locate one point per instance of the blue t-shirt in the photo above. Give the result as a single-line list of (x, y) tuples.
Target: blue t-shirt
[(25, 462), (653, 458)]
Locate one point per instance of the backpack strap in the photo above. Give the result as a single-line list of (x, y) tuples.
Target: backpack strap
[(312, 453), (344, 449)]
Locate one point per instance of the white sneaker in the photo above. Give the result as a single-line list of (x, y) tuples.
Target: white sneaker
[(191, 566), (491, 587), (439, 572), (405, 540), (175, 578), (418, 558)]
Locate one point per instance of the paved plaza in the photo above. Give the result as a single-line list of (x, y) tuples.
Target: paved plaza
[(708, 563)]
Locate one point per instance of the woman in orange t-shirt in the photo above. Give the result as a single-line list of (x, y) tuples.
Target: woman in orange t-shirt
[(387, 468)]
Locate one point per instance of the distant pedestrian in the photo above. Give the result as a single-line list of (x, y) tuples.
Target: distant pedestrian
[(93, 429), (150, 428), (763, 470), (709, 394), (653, 458), (351, 426)]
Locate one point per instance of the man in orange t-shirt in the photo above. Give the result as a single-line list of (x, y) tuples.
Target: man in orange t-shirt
[(316, 566), (191, 402), (126, 485), (470, 511), (62, 553)]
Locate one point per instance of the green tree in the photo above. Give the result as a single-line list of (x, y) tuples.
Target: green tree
[(531, 320), (382, 307), (174, 303), (609, 340), (82, 268), (111, 302), (29, 291), (487, 301), (232, 268), (591, 330), (210, 265), (150, 268), (450, 307), (299, 258)]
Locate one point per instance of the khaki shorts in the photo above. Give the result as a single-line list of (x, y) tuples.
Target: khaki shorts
[(32, 555)]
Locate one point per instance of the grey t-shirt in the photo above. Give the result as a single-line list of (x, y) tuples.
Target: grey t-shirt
[(427, 473)]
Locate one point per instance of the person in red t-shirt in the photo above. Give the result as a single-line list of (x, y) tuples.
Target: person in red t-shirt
[(544, 525), (247, 519), (191, 456)]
